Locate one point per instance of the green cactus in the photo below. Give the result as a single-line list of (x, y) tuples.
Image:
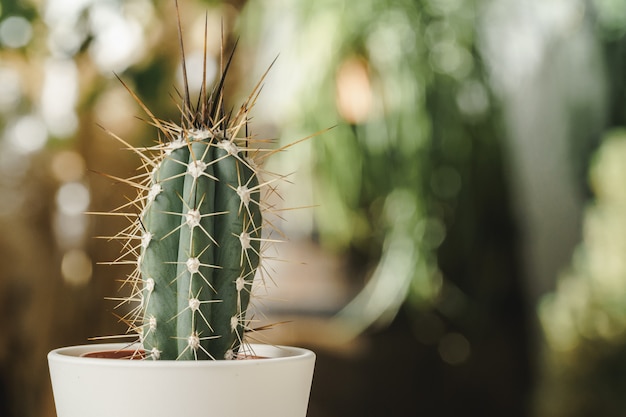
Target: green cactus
[(200, 245), (199, 229), (200, 234)]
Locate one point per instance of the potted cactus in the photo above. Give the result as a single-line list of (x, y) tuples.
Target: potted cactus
[(196, 243)]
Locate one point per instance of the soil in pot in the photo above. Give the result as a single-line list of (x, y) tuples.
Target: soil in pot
[(139, 354)]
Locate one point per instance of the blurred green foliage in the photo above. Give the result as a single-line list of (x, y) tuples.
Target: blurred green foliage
[(584, 318), (416, 135)]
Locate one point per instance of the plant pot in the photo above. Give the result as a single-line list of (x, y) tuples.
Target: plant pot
[(276, 385)]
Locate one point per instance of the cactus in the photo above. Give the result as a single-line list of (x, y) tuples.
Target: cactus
[(196, 241), (200, 234), (200, 239)]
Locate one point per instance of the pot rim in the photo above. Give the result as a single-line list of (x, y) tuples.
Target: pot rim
[(269, 354)]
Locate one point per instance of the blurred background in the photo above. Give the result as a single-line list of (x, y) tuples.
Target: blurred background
[(461, 238)]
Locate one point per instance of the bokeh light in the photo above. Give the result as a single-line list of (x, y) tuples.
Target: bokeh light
[(15, 32), (59, 95), (73, 198), (76, 267), (68, 166), (10, 89), (27, 134)]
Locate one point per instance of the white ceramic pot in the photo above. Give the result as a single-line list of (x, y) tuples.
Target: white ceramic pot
[(278, 385)]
